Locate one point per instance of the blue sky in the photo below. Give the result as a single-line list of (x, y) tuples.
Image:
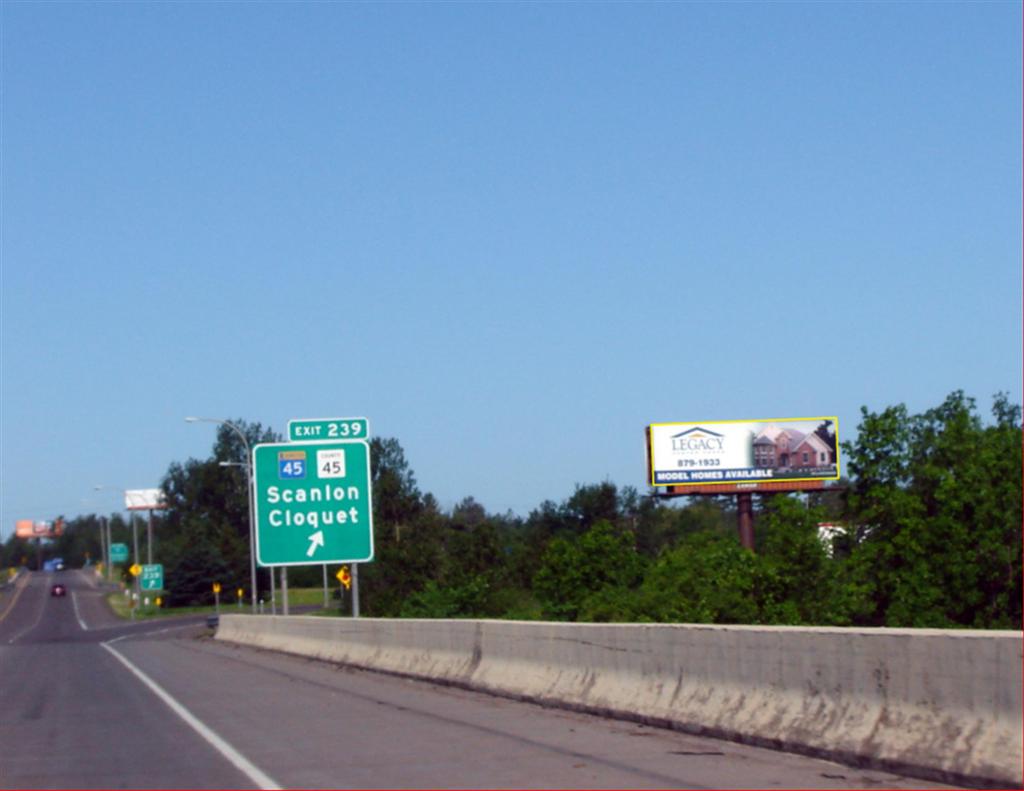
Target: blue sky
[(510, 234)]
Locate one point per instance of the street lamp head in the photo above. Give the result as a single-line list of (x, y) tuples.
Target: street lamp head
[(191, 420)]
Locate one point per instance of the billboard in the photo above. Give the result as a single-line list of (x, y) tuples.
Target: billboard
[(743, 451), (27, 528), (144, 499)]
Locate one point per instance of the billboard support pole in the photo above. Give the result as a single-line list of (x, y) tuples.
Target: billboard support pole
[(745, 519)]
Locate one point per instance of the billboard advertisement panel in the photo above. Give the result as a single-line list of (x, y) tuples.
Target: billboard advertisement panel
[(144, 499), (27, 528), (743, 451)]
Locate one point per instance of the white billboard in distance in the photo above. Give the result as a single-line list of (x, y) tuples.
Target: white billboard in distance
[(743, 451), (144, 499)]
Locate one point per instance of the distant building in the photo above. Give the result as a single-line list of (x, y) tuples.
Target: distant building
[(828, 532), (787, 448)]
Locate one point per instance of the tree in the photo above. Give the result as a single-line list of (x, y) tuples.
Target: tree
[(196, 564), (795, 574), (826, 431), (396, 498), (572, 570), (707, 578), (589, 505), (406, 549), (936, 500), (204, 496), (78, 543)]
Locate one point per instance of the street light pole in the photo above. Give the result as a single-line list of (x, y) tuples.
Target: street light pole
[(106, 525), (107, 522), (104, 547), (248, 494)]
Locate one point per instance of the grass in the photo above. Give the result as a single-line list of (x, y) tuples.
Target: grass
[(120, 604), (306, 596)]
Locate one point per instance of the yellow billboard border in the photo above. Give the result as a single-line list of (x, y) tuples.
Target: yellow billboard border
[(650, 449)]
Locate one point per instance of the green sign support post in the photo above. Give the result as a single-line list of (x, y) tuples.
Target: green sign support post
[(313, 503)]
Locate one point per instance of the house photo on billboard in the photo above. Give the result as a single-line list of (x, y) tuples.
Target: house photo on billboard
[(786, 448)]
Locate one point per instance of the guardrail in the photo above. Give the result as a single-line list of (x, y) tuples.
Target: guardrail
[(938, 704)]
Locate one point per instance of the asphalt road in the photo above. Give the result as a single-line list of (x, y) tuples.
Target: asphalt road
[(88, 701)]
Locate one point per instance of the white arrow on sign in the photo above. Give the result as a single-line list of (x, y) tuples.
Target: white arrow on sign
[(315, 540)]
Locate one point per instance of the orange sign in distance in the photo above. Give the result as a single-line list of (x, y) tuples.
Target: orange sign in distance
[(344, 577), (216, 587)]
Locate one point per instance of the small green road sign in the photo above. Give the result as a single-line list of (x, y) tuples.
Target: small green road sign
[(152, 577), (118, 553), (328, 429), (313, 503)]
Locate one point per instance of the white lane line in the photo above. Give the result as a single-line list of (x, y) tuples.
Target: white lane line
[(78, 615), (20, 583), (239, 761), (23, 632), (152, 632)]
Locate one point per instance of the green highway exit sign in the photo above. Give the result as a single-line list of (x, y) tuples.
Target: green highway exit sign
[(332, 428), (313, 503), (152, 577)]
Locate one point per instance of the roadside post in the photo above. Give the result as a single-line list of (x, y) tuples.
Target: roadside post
[(216, 597), (355, 590), (135, 570)]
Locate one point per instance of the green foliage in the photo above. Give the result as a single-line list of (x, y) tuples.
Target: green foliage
[(937, 501), (396, 498), (206, 498), (707, 578), (468, 600), (573, 570), (932, 511), (190, 573), (795, 573)]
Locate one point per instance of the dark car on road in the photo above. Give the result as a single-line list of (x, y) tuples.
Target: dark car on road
[(58, 590)]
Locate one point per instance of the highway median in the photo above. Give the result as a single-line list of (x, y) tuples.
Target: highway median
[(942, 705)]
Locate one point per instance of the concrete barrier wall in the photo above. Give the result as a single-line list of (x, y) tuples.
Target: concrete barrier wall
[(941, 704)]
